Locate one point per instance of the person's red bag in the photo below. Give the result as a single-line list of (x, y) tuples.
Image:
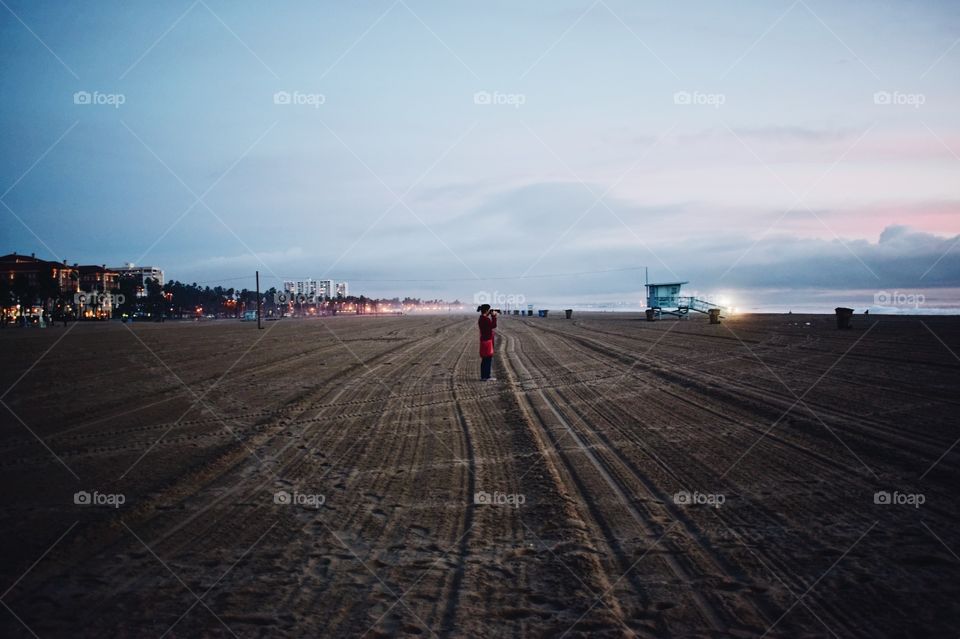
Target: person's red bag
[(486, 348)]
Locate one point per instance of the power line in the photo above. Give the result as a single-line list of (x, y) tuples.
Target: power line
[(217, 281), (509, 277)]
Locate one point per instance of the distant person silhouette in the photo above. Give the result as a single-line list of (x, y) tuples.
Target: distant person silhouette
[(487, 322)]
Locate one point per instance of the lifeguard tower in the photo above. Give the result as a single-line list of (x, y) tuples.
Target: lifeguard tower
[(664, 295), (664, 298)]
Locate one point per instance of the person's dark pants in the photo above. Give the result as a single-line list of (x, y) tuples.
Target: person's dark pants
[(486, 363)]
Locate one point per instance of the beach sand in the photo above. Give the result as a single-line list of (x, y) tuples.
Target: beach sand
[(353, 477)]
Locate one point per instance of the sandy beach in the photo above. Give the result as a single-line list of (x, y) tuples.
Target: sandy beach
[(768, 476)]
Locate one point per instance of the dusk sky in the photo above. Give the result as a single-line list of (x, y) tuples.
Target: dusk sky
[(777, 151)]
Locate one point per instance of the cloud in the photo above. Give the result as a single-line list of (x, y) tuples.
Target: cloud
[(538, 229), (902, 257), (792, 132), (247, 260), (697, 239)]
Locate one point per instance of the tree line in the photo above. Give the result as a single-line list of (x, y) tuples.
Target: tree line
[(174, 299)]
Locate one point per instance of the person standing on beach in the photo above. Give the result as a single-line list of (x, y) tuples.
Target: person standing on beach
[(487, 322)]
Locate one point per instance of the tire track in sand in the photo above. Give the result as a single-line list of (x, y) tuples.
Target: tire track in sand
[(711, 614)]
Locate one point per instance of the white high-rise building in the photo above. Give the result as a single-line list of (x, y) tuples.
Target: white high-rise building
[(341, 289), (300, 287), (325, 288), (316, 290), (144, 273)]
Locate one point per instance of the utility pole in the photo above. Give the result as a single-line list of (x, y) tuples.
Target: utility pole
[(259, 304)]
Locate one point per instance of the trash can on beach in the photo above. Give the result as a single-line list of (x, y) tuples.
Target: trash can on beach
[(714, 315), (651, 314), (843, 317), (568, 312)]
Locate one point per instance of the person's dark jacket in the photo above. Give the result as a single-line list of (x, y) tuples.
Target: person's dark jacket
[(487, 323)]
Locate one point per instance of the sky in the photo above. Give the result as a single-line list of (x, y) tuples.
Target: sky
[(795, 154)]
